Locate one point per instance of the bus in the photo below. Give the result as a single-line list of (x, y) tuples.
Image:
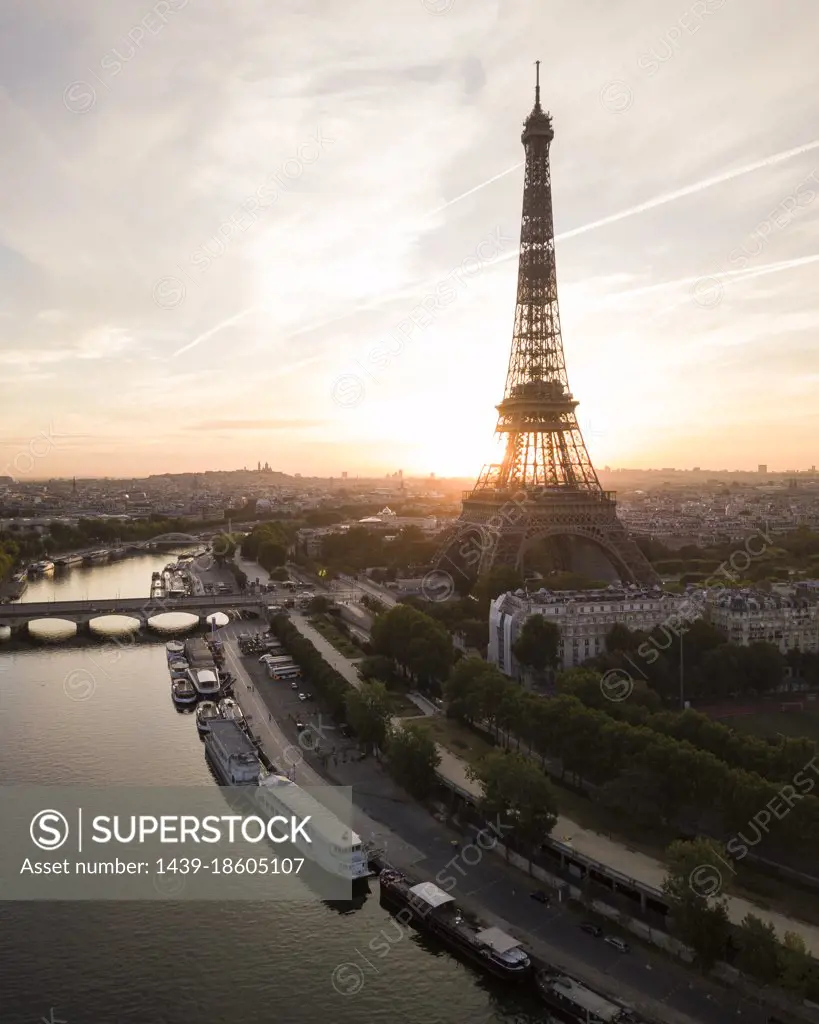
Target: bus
[(286, 675)]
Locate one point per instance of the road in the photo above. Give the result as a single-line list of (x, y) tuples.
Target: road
[(415, 840)]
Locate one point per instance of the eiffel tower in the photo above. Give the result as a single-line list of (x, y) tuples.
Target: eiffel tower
[(545, 496)]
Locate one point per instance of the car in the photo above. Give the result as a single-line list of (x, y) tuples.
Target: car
[(294, 686), (308, 696), (302, 696), (618, 944), (540, 896), (591, 929), (301, 726)]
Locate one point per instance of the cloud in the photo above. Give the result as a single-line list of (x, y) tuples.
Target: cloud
[(258, 424), (108, 208)]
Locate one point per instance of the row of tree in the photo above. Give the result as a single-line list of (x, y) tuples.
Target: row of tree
[(777, 760), (416, 644), (696, 885), (361, 548), (328, 683), (660, 781)]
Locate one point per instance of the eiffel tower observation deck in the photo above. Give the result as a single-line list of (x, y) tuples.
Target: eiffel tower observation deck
[(543, 506)]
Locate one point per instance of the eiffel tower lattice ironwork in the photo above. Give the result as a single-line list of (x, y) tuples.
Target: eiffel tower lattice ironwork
[(545, 489)]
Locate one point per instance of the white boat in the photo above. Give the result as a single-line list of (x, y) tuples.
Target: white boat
[(230, 710), (232, 754), (206, 682), (333, 846), (42, 568), (206, 712), (175, 650), (183, 691), (178, 665)]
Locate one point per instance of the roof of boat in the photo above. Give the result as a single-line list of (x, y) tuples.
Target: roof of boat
[(430, 893), (585, 998), (231, 736), (302, 802), (498, 940)]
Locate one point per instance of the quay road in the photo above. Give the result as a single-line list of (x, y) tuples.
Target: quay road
[(415, 841), (138, 606)]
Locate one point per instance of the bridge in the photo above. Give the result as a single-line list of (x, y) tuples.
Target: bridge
[(142, 608)]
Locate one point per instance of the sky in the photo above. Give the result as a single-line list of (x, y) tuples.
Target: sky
[(286, 230)]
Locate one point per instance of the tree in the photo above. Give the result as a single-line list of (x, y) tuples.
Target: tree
[(271, 554), (697, 876), (796, 965), (414, 641), (517, 792), (497, 581), (368, 713), (319, 605), (474, 690), (538, 644), (413, 760), (759, 950), (475, 633)]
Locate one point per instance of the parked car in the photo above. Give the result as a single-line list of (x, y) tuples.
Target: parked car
[(302, 696), (591, 929), (540, 896), (618, 944)]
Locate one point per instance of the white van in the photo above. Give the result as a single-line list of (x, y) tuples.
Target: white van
[(618, 944)]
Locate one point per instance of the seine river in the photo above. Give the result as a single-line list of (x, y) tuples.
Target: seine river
[(101, 715)]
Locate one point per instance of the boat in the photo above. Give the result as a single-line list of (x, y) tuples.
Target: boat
[(67, 561), (230, 710), (175, 650), (156, 576), (183, 691), (574, 1003), (431, 909), (42, 568), (232, 753), (333, 845), (206, 712), (206, 682), (177, 665)]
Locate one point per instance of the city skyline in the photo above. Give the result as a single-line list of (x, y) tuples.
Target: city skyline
[(305, 245)]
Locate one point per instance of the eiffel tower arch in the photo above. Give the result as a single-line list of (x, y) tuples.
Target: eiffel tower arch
[(545, 493)]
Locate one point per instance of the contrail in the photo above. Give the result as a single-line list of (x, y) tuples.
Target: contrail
[(650, 204), (214, 330), (745, 274), (680, 193), (477, 188)]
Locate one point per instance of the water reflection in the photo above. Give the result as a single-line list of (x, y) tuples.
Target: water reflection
[(173, 622), (50, 630), (114, 625)]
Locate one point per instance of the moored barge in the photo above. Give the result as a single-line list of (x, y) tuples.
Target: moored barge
[(431, 909)]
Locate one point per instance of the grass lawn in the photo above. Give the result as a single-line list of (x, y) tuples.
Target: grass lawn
[(341, 643), (767, 725), (456, 737)]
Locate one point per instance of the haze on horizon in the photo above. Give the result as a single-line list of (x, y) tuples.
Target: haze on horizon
[(216, 227)]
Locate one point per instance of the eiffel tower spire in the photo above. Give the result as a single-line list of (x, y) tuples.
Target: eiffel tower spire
[(545, 489), (544, 445)]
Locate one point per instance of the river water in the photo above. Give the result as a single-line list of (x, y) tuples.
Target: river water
[(100, 714)]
